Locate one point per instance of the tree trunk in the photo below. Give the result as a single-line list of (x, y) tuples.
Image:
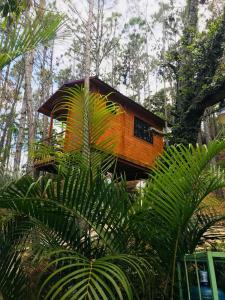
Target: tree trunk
[(207, 130), (6, 142), (4, 87), (28, 71), (86, 131), (29, 59), (88, 44), (20, 138)]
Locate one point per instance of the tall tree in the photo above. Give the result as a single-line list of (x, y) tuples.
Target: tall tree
[(198, 72), (18, 38), (105, 38), (135, 57)]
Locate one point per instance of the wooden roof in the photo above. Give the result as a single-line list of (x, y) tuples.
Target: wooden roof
[(105, 89)]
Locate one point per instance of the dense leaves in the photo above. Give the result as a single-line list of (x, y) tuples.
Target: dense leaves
[(13, 279), (77, 277), (25, 38), (77, 212), (198, 72), (100, 243), (172, 205)]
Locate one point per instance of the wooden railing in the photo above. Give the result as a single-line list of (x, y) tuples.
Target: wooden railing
[(54, 140), (45, 150)]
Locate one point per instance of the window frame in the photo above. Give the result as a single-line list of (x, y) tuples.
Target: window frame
[(142, 135)]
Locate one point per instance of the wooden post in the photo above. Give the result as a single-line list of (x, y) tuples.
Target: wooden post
[(50, 128)]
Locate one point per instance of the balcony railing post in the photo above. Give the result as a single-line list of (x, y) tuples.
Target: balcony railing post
[(50, 127)]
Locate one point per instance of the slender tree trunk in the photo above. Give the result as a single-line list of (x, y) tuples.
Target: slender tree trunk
[(206, 124), (6, 142), (4, 102), (3, 136), (7, 147), (44, 86), (114, 55), (28, 71), (88, 44), (29, 59), (86, 132), (4, 88), (20, 138), (97, 44), (49, 89)]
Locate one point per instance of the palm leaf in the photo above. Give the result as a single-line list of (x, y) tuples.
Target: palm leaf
[(89, 123), (179, 183), (78, 212), (71, 198), (177, 186), (13, 280), (18, 39), (76, 277)]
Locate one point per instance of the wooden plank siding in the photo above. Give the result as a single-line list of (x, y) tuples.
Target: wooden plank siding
[(128, 146)]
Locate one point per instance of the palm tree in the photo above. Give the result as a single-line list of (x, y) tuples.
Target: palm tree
[(171, 216), (79, 223), (87, 230), (87, 226)]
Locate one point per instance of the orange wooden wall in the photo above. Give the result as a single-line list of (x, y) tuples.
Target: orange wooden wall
[(128, 146)]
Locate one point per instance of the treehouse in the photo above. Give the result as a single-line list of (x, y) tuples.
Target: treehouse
[(139, 132)]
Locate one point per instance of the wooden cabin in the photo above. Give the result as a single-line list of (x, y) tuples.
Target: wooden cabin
[(139, 131)]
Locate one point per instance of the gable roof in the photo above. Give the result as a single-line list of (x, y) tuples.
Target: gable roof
[(103, 88)]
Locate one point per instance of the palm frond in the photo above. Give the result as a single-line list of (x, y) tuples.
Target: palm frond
[(89, 122), (172, 199), (181, 180), (76, 277), (13, 280), (18, 39), (62, 203)]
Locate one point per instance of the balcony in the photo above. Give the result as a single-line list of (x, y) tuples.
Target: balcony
[(46, 151)]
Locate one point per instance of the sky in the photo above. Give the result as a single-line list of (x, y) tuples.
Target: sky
[(128, 8)]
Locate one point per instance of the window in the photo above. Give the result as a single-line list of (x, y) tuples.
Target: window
[(111, 106), (141, 130)]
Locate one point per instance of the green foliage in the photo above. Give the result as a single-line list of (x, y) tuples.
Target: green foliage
[(156, 103), (63, 76), (134, 58), (102, 278), (171, 204), (96, 240), (25, 38), (11, 8), (81, 214), (197, 67), (13, 281)]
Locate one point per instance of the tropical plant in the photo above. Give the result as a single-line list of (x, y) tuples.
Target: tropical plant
[(171, 215), (12, 246), (96, 242), (17, 38), (79, 221)]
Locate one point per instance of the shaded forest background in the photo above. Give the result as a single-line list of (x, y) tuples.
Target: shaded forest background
[(135, 51)]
